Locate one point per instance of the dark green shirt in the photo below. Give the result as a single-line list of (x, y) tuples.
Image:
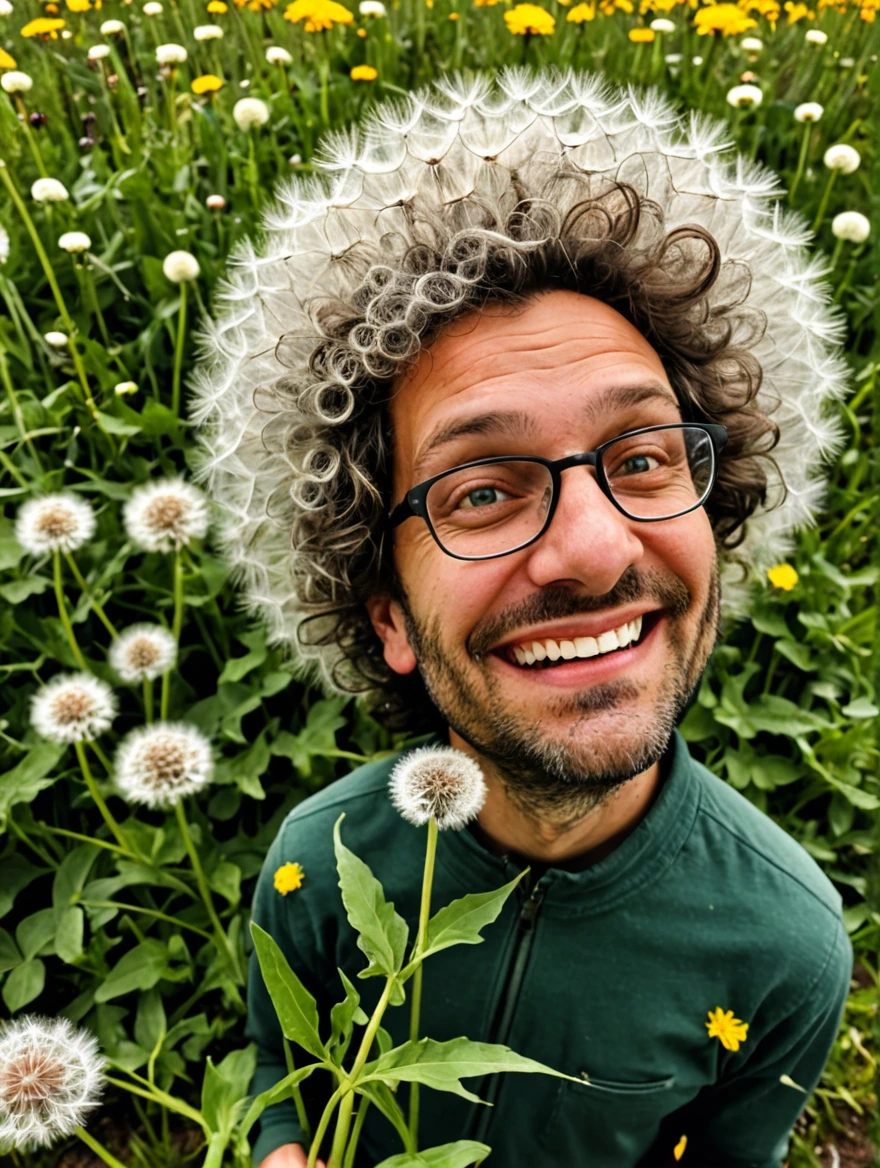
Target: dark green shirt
[(611, 971)]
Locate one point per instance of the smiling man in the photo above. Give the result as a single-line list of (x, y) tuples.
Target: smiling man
[(502, 489)]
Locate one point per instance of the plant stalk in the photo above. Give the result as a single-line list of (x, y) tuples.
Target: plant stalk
[(416, 1001)]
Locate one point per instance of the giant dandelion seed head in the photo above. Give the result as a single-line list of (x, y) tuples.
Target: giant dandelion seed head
[(143, 653), (167, 515), (51, 1077), (73, 707), (437, 782), (59, 522), (161, 764)]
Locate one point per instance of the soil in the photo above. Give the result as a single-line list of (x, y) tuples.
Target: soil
[(851, 1147), (116, 1137)]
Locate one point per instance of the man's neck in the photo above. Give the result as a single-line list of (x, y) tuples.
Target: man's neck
[(502, 829)]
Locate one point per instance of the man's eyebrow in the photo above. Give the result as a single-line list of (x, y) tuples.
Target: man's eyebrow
[(520, 424)]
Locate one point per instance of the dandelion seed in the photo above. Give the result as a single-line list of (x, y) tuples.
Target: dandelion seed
[(215, 202), (208, 32), (852, 226), (16, 82), (783, 576), (123, 387), (722, 1025), (73, 707), (179, 266), (4, 245), (143, 653), (49, 190), (112, 28), (364, 73), (288, 878), (152, 8), (170, 54), (74, 242), (661, 24), (276, 55), (59, 522), (815, 36), (842, 157), (744, 96), (51, 1076), (161, 764), (250, 111), (788, 1081), (808, 111), (166, 515), (56, 340), (437, 781)]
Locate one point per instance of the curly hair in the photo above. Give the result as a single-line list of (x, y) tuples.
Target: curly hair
[(467, 197), (611, 246)]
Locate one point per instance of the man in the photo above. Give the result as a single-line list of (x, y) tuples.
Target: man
[(556, 606)]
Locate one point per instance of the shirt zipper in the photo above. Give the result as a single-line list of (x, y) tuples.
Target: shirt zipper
[(510, 993)]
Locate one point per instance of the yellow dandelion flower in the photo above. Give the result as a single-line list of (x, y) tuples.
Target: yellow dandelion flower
[(485, 3), (6, 62), (51, 9), (218, 6), (797, 12), (726, 18), (207, 83), (318, 14), (78, 5), (678, 1150), (723, 1025), (642, 36), (364, 73), (783, 576), (581, 12), (288, 878), (43, 26), (254, 5), (867, 14), (529, 18)]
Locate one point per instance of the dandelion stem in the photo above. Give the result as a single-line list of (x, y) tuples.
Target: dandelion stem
[(416, 1000), (324, 69), (62, 610), (178, 351), (16, 408), (805, 144), (92, 602), (99, 1149), (820, 214), (118, 833), (29, 134), (150, 912), (225, 946), (148, 700), (176, 626), (87, 839), (105, 761)]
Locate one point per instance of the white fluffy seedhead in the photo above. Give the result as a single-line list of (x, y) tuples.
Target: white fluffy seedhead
[(143, 652), (51, 1076), (73, 707), (161, 764), (60, 522), (166, 515), (434, 159), (437, 781)]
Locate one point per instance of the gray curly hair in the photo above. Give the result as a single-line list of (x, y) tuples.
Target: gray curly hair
[(462, 197)]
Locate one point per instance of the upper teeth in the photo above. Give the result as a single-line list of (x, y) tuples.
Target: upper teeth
[(532, 651)]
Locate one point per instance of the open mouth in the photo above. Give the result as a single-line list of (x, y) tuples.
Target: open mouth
[(650, 621)]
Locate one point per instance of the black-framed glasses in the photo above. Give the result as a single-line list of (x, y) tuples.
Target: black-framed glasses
[(496, 506)]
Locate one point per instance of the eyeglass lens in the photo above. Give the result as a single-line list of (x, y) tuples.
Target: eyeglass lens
[(488, 510)]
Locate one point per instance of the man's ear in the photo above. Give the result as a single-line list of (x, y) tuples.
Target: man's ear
[(387, 618)]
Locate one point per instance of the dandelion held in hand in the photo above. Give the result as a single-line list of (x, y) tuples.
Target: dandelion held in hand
[(73, 707), (59, 522), (50, 1078), (439, 782), (160, 765), (143, 652), (166, 515)]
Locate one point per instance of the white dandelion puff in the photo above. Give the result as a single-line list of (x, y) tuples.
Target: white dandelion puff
[(852, 226), (49, 190), (16, 82), (4, 245), (208, 32), (112, 28), (121, 388), (161, 764), (56, 339), (439, 782), (152, 8), (215, 202), (170, 54), (751, 44), (6, 8), (179, 266), (51, 1076), (143, 652), (744, 96), (74, 242), (98, 52), (54, 523), (842, 157), (250, 111), (166, 515), (815, 36), (276, 55), (73, 707), (661, 24), (371, 8), (808, 111)]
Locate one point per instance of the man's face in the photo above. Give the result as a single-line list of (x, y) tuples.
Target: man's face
[(561, 739)]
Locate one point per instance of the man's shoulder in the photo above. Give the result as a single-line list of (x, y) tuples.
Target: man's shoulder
[(745, 839)]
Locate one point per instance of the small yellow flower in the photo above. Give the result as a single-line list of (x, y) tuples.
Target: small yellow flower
[(723, 1025), (318, 14), (797, 12), (678, 1150), (727, 18), (364, 73), (207, 83), (783, 576), (6, 62), (52, 9), (78, 5), (642, 36), (484, 3), (289, 878), (529, 18), (43, 26), (581, 13), (218, 6)]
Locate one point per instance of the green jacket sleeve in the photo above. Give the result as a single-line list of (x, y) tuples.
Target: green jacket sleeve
[(746, 1120), (273, 912)]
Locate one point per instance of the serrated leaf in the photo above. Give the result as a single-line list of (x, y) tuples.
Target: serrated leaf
[(382, 933), (457, 1155), (296, 1008), (441, 1065), (460, 922)]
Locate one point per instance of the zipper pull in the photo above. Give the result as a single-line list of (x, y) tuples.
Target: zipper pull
[(530, 908)]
